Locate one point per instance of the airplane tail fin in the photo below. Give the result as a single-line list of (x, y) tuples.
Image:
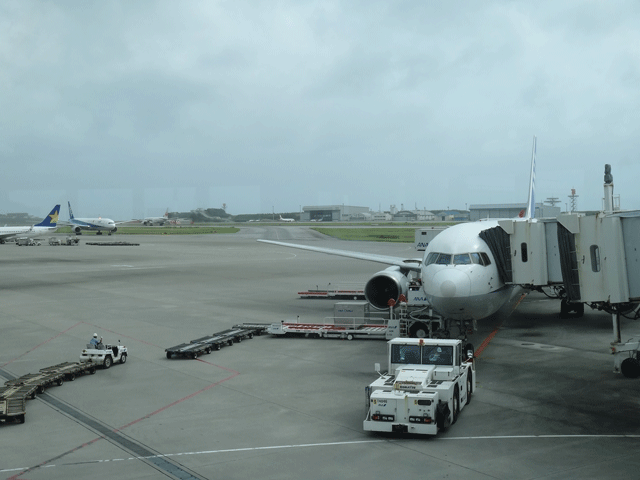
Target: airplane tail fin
[(531, 203), (50, 220), (70, 211)]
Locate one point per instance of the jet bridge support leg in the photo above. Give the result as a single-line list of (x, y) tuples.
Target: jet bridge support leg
[(616, 327)]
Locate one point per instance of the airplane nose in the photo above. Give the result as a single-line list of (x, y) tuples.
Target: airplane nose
[(452, 283)]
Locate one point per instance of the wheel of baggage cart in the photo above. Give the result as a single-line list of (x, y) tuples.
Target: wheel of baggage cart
[(60, 381), (349, 337), (194, 355), (40, 389), (250, 335), (630, 367), (108, 361), (208, 350), (123, 358), (33, 395), (92, 370), (238, 339), (216, 346), (230, 343), (20, 418), (168, 354), (71, 377)]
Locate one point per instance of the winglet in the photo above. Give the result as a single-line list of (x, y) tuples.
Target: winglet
[(531, 203), (50, 220)]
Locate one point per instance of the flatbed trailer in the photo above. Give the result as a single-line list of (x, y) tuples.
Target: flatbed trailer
[(215, 341), (334, 292), (327, 330), (14, 394)]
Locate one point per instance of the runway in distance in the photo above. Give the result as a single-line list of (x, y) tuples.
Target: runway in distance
[(288, 220), (46, 226), (97, 225), (460, 278)]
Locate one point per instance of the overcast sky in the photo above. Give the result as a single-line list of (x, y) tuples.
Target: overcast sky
[(126, 108)]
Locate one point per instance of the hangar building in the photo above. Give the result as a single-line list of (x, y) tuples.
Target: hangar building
[(334, 213), (510, 210)]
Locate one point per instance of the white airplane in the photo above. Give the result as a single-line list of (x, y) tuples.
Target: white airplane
[(288, 220), (48, 225), (460, 277), (150, 221), (93, 224)]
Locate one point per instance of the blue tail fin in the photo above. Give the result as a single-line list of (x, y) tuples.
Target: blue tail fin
[(531, 203), (51, 219), (70, 212)]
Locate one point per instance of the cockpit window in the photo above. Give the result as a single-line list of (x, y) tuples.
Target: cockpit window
[(431, 258), (485, 258), (476, 258), (444, 259), (462, 259)]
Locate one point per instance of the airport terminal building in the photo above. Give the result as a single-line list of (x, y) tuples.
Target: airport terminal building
[(334, 213)]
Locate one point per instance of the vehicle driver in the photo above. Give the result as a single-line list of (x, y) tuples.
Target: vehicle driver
[(94, 341)]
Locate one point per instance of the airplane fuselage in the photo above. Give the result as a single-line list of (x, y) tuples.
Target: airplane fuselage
[(95, 224), (459, 274)]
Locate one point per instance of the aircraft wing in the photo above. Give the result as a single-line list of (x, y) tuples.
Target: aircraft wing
[(406, 263)]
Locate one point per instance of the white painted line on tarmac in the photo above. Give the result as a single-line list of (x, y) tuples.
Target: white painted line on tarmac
[(331, 444)]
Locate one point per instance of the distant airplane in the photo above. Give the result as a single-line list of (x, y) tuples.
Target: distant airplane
[(460, 278), (48, 225), (288, 220), (150, 221), (93, 224)]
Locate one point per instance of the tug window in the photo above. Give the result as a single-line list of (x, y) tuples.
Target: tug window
[(595, 258)]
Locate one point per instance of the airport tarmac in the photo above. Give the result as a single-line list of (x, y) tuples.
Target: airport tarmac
[(547, 404)]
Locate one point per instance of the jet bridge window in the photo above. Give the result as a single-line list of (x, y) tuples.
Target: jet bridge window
[(437, 355), (595, 258), (405, 354)]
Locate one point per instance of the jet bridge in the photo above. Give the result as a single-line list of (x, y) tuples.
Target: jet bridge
[(591, 259)]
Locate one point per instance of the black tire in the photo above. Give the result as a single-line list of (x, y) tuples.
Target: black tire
[(456, 405), (216, 346), (443, 414), (238, 339), (419, 330), (469, 386), (40, 389), (194, 355), (630, 368), (60, 381), (71, 377), (208, 350), (123, 358), (250, 335), (108, 361), (169, 355), (92, 370), (20, 418)]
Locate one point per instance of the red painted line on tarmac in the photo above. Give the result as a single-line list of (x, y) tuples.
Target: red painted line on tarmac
[(486, 342), (38, 346)]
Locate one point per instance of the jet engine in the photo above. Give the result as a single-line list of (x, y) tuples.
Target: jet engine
[(77, 230), (385, 285)]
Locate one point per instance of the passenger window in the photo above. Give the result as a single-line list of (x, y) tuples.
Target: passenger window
[(485, 258), (523, 252), (595, 258), (444, 259), (475, 258), (462, 259)]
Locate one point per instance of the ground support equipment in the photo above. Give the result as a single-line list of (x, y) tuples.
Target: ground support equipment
[(215, 341), (14, 394), (322, 330)]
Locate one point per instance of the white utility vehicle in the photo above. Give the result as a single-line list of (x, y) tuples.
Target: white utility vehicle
[(104, 355), (428, 382)]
